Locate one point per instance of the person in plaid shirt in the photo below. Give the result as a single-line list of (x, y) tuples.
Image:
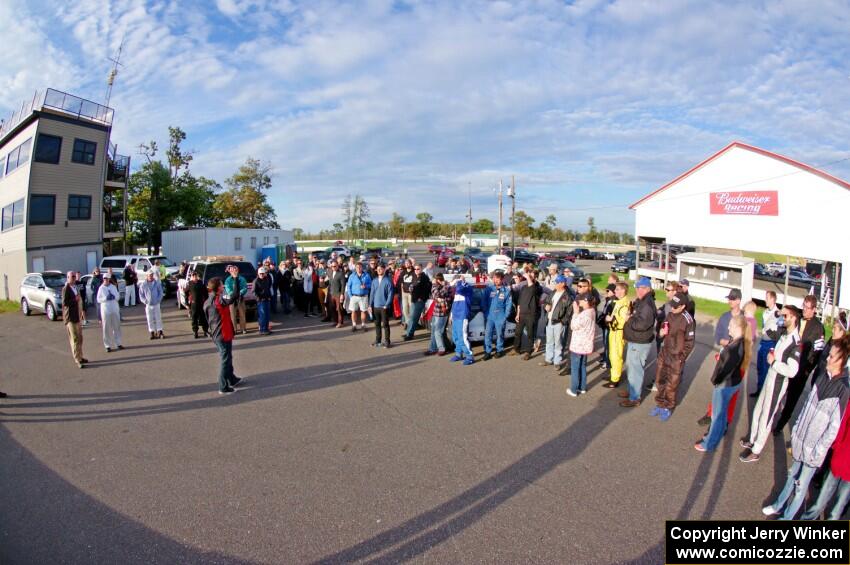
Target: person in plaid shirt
[(441, 294)]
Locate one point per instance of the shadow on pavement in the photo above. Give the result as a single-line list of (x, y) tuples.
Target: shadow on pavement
[(71, 528), (256, 387), (420, 533)]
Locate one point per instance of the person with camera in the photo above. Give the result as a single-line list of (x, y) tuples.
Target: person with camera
[(497, 308), (217, 309)]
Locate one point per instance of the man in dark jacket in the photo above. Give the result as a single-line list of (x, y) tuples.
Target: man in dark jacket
[(197, 294), (812, 342), (130, 280), (336, 291), (676, 332), (71, 316), (263, 292), (420, 292), (527, 308), (284, 281), (639, 332)]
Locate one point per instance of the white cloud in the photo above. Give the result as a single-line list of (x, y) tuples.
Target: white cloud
[(405, 102)]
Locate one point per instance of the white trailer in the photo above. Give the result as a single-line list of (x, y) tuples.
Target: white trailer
[(183, 245)]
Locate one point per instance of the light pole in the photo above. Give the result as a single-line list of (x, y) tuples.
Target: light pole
[(500, 215), (512, 194)]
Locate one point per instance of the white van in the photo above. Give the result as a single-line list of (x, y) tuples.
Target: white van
[(142, 264)]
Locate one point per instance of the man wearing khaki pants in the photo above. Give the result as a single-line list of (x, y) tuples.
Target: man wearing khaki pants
[(71, 309)]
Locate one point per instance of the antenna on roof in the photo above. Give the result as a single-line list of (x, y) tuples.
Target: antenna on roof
[(113, 72)]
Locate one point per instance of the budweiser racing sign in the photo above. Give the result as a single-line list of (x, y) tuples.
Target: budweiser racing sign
[(758, 203)]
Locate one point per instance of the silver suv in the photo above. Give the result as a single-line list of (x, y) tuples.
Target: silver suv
[(43, 291)]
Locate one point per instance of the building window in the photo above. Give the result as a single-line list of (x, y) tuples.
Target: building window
[(84, 152), (253, 243), (47, 148), (42, 209), (237, 243), (265, 240), (79, 207), (13, 215), (18, 156), (276, 240), (2, 167)]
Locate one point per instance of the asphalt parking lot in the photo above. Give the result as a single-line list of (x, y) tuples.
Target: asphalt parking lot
[(334, 453)]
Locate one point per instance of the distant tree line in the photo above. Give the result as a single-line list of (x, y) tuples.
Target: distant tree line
[(357, 224)]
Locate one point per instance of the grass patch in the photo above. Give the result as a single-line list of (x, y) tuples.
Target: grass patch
[(7, 306)]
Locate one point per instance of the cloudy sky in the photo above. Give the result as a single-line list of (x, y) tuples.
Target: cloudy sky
[(591, 103)]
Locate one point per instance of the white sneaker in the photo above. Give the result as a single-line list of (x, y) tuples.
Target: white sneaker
[(769, 510), (570, 392)]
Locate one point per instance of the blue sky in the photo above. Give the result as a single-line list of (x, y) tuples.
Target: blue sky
[(591, 104)]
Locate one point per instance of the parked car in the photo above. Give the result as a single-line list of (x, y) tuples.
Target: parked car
[(775, 268), (609, 255), (142, 264), (562, 264), (437, 248), (340, 250), (43, 291), (623, 265), (522, 256), (582, 253), (214, 266), (565, 255), (760, 271)]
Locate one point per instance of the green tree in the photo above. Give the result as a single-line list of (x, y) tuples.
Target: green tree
[(543, 231), (483, 226), (194, 201), (149, 204), (524, 224), (551, 221), (424, 228), (244, 204), (176, 157), (396, 225), (591, 234)]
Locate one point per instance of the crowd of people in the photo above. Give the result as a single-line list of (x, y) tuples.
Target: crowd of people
[(554, 313)]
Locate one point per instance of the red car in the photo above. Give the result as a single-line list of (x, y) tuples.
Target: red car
[(437, 248)]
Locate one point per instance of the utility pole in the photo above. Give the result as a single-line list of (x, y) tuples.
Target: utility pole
[(500, 216), (512, 194), (469, 215)]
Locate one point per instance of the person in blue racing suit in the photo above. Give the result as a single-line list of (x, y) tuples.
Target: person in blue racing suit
[(497, 306), (461, 310)]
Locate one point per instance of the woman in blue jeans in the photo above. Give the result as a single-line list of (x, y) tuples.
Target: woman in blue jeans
[(728, 372)]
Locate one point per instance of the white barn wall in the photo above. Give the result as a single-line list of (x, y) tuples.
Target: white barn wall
[(680, 213)]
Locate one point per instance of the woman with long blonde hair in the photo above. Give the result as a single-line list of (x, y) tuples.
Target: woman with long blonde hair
[(727, 377)]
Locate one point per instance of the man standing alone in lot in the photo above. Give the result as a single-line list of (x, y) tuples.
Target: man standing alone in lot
[(71, 307), (198, 294), (150, 294), (217, 310), (639, 333)]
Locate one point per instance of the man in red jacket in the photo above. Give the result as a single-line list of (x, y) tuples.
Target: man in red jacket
[(217, 309)]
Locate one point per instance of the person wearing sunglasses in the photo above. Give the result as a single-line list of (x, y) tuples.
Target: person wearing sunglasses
[(784, 363)]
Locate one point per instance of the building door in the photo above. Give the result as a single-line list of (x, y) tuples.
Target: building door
[(91, 261), (37, 264)]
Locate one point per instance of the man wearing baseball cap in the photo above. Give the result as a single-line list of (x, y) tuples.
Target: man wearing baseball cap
[(263, 292), (676, 330), (639, 333)]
